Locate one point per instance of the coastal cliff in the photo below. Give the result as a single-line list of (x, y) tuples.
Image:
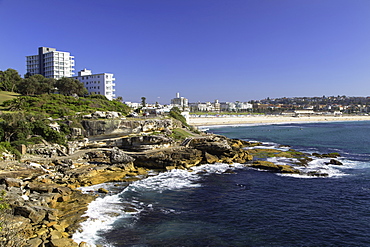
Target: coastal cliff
[(127, 127)]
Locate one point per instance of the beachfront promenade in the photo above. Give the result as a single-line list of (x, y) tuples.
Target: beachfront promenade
[(268, 119)]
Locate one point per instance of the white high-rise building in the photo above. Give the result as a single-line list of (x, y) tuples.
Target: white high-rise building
[(179, 101), (98, 83), (51, 63)]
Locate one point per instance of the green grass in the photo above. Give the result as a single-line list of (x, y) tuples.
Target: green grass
[(4, 96), (180, 134), (56, 105)]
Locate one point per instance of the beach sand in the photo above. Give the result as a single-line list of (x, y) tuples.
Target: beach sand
[(266, 119)]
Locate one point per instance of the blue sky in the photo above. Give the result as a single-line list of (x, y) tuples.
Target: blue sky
[(230, 50)]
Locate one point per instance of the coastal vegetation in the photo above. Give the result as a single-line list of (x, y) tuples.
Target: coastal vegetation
[(11, 81), (180, 134), (4, 96), (57, 105), (27, 119)]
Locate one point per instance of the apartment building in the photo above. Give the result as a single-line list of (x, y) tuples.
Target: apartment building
[(102, 83), (51, 63), (180, 102)]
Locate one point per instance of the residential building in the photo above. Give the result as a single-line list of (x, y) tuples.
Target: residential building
[(180, 102), (102, 83), (227, 106), (50, 63), (206, 107)]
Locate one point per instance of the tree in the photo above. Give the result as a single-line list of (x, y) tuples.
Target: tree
[(36, 85), (14, 126), (119, 99), (9, 79), (143, 101), (70, 86)]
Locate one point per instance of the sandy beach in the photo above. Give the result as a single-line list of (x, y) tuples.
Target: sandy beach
[(267, 119)]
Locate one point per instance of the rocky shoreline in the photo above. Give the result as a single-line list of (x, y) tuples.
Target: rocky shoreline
[(41, 188), (47, 207)]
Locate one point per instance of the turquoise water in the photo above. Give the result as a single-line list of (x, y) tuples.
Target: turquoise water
[(248, 207)]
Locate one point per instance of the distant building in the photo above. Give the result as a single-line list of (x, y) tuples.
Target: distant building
[(51, 63), (303, 112), (206, 106), (227, 106), (180, 102), (243, 106), (102, 83)]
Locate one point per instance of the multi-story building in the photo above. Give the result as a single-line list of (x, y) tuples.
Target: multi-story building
[(98, 83), (51, 63), (180, 102)]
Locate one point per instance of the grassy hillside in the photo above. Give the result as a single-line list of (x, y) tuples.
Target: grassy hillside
[(26, 119), (56, 105), (4, 96)]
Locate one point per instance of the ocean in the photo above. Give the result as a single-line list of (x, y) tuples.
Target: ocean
[(233, 205)]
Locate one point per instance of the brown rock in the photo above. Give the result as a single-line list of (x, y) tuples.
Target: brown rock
[(84, 244), (102, 190), (267, 165), (41, 232), (35, 242), (210, 159), (63, 242), (56, 234), (50, 224), (59, 228), (35, 214), (11, 182)]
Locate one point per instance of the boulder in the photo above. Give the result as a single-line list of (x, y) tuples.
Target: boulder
[(213, 145), (119, 157), (36, 214), (54, 234), (34, 242), (210, 159), (103, 190), (99, 114), (335, 162)]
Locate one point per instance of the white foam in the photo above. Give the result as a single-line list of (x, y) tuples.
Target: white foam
[(104, 211), (171, 180), (318, 165), (101, 214), (269, 145)]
